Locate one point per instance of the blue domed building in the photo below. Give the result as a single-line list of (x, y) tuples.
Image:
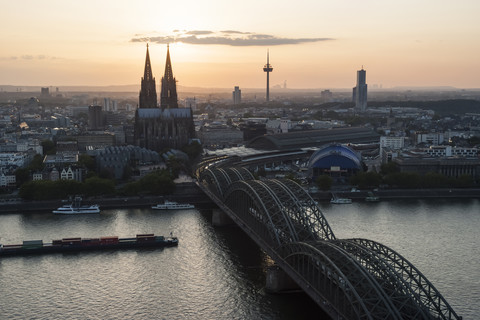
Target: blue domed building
[(334, 160)]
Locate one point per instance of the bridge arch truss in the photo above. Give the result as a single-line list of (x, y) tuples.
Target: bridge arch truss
[(351, 278)]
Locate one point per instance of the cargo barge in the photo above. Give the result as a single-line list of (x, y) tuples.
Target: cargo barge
[(87, 244)]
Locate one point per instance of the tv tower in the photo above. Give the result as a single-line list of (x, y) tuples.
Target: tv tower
[(268, 68)]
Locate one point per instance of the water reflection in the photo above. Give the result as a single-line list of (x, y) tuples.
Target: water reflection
[(218, 273)]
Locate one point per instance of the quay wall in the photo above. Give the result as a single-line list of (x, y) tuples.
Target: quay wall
[(387, 194), (184, 193), (191, 193)]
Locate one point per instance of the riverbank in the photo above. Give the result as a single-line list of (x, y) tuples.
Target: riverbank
[(191, 193), (184, 193), (387, 194)]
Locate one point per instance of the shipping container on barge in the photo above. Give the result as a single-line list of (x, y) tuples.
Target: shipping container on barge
[(87, 244)]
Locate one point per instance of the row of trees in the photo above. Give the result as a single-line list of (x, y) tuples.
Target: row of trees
[(101, 183), (409, 180), (391, 176), (61, 189), (156, 183)]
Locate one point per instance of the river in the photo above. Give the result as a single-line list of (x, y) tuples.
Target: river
[(218, 273)]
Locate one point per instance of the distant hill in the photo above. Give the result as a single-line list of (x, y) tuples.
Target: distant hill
[(118, 88), (441, 107), (426, 88), (127, 88)]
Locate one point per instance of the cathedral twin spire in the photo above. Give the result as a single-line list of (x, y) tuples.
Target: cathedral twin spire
[(148, 93), (168, 95)]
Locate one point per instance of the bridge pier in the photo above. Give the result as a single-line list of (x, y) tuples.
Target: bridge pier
[(220, 218), (278, 281)]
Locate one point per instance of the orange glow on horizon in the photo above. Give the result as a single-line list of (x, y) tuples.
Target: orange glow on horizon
[(97, 43)]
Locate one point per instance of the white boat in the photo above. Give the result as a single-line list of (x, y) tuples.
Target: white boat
[(172, 205), (340, 200), (337, 200), (372, 198), (76, 208)]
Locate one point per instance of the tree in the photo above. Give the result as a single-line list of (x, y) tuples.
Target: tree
[(403, 179), (324, 182), (22, 175), (131, 189), (86, 161), (389, 167), (37, 163), (48, 190), (48, 147), (175, 165), (434, 180), (193, 150), (464, 181), (97, 186), (158, 182), (27, 190), (366, 179)]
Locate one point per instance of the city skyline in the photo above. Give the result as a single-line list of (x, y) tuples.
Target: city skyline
[(314, 44)]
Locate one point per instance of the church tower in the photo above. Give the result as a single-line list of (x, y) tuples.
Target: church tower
[(168, 94), (168, 127), (148, 93)]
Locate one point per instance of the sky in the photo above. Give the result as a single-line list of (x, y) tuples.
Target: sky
[(222, 43)]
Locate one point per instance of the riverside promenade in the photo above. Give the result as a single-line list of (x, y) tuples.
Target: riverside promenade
[(184, 193), (389, 194), (191, 193)]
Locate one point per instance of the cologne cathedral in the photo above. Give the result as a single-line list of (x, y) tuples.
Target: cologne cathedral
[(166, 126)]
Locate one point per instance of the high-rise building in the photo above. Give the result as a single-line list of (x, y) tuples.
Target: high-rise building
[(106, 104), (360, 91), (326, 96), (95, 118), (45, 92), (237, 95), (168, 126), (114, 106)]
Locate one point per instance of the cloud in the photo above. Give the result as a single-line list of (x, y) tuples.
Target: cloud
[(226, 37), (234, 32), (198, 32), (30, 57), (8, 58)]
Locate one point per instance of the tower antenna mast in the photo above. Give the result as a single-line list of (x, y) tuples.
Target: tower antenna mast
[(268, 68)]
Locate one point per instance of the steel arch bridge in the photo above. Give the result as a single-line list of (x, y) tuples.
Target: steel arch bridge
[(348, 278)]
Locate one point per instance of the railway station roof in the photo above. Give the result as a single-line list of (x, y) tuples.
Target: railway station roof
[(313, 138)]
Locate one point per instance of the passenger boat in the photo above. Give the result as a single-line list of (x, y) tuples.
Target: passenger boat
[(172, 205), (372, 198), (337, 200), (340, 200), (76, 207)]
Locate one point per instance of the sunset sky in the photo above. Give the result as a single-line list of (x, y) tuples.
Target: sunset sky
[(218, 43)]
